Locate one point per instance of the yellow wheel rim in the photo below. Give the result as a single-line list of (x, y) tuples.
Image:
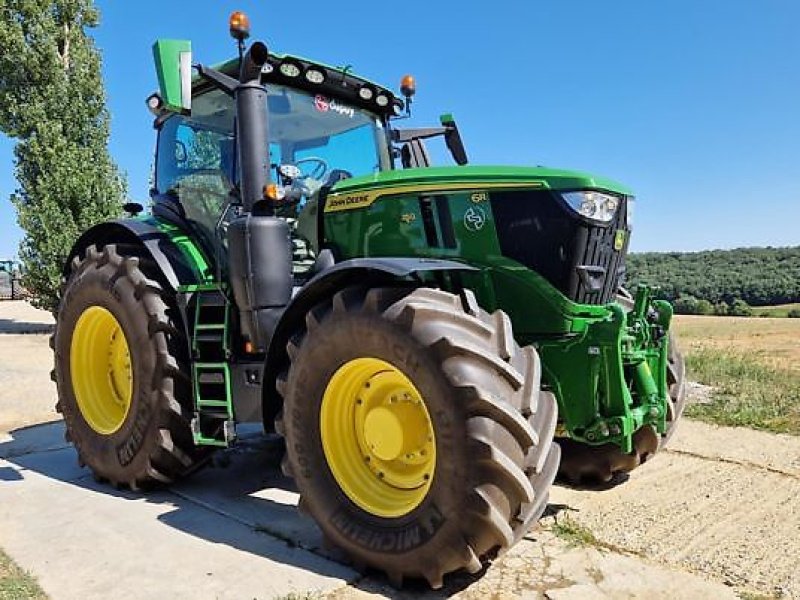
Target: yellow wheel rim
[(100, 369), (378, 437)]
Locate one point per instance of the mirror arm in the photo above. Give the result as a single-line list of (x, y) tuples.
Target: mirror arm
[(219, 80), (407, 135)]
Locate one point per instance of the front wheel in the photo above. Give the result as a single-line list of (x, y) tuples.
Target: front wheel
[(416, 430)]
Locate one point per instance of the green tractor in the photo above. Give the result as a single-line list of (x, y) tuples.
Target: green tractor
[(417, 335), (10, 280)]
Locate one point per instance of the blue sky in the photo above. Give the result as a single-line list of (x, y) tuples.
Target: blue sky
[(694, 105)]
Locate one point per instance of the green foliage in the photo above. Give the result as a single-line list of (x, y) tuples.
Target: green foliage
[(689, 305), (52, 101), (704, 307), (755, 276), (794, 313), (740, 308)]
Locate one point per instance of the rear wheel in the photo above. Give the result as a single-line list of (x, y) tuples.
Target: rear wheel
[(416, 430), (121, 373)]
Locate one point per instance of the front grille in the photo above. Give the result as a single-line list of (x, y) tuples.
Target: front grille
[(538, 230)]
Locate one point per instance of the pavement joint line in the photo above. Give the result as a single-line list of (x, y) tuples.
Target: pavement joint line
[(733, 461), (291, 543)]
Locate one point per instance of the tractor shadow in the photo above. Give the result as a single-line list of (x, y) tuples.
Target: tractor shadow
[(240, 496), (235, 505)]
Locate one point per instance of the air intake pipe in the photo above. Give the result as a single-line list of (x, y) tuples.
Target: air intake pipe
[(259, 246)]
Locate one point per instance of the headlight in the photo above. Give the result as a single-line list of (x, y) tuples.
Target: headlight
[(593, 205)]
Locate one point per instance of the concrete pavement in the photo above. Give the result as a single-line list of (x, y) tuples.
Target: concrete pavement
[(204, 539)]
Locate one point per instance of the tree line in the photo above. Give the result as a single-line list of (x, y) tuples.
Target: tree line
[(720, 281)]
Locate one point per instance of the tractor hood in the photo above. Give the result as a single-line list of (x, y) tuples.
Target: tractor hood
[(442, 177)]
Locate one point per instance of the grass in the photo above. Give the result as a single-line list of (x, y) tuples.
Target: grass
[(16, 584), (747, 393), (779, 310), (574, 533), (754, 366)]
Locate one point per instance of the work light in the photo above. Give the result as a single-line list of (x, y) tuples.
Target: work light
[(315, 76), (289, 69)]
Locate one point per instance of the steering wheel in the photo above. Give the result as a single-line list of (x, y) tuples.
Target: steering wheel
[(318, 171)]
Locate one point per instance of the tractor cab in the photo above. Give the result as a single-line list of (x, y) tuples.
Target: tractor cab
[(324, 125), (315, 140)]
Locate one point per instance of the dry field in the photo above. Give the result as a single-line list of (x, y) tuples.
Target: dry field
[(772, 342)]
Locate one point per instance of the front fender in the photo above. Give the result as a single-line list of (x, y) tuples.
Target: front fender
[(371, 272)]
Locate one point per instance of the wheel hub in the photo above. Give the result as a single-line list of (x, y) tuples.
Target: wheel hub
[(378, 437), (101, 371)]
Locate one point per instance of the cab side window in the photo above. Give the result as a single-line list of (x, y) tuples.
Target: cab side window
[(195, 164)]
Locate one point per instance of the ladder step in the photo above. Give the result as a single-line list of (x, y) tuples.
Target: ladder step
[(215, 415), (211, 299), (210, 326), (211, 377), (213, 404), (218, 338)]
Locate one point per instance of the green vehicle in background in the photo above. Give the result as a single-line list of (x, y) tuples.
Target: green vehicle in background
[(417, 335), (10, 284)]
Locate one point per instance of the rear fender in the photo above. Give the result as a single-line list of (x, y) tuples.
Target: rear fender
[(179, 259)]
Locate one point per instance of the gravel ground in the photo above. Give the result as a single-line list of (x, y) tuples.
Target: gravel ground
[(721, 501)]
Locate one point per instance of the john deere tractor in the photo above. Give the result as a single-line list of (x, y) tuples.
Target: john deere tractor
[(417, 335)]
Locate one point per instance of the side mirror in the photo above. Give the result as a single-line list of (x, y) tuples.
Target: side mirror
[(452, 138), (173, 60)]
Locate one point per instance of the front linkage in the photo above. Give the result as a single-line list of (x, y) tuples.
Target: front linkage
[(622, 402)]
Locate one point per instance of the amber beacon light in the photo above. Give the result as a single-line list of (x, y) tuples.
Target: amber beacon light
[(239, 24)]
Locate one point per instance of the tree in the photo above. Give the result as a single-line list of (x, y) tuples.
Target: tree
[(740, 308), (704, 307), (685, 305), (52, 101)]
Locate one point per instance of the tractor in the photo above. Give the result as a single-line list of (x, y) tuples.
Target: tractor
[(427, 341), (10, 280)]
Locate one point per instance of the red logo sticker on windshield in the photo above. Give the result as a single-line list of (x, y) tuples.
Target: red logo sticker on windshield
[(321, 103)]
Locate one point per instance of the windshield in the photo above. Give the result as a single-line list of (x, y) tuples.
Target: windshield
[(323, 134)]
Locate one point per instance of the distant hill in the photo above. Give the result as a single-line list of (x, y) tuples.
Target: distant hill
[(759, 276)]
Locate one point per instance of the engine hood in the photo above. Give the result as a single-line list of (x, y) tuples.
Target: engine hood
[(442, 177)]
